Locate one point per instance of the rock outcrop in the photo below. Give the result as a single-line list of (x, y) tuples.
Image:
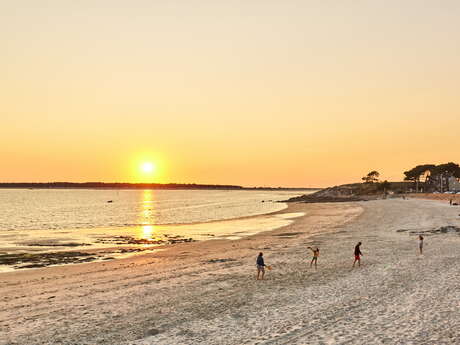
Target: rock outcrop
[(343, 193)]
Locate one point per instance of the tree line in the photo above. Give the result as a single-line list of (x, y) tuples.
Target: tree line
[(447, 169), (435, 176)]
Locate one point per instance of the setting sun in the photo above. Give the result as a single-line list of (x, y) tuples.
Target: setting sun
[(147, 167)]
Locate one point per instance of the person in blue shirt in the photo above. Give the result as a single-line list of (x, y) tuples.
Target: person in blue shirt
[(260, 266)]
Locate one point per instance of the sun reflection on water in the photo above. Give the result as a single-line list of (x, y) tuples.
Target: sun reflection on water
[(147, 229), (147, 207)]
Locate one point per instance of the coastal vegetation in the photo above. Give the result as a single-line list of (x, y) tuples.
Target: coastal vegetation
[(433, 178), (421, 178), (371, 177), (354, 192)]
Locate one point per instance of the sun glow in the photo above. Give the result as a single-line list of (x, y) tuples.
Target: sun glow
[(148, 167)]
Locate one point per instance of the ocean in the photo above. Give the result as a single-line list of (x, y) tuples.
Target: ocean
[(35, 223)]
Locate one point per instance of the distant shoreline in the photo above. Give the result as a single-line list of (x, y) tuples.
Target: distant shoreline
[(135, 186)]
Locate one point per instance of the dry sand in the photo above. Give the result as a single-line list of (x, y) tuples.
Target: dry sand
[(439, 196), (205, 293)]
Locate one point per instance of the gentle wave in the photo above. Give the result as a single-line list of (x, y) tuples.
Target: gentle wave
[(77, 209)]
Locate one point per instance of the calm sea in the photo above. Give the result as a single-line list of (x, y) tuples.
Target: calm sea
[(40, 220)]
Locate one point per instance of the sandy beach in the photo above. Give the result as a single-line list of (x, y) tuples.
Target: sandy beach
[(206, 292)]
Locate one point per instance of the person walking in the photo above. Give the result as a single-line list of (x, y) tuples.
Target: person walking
[(315, 256), (358, 254), (420, 244), (260, 265)]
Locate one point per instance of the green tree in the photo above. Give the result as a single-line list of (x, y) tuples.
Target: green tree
[(415, 173), (447, 168), (371, 177)]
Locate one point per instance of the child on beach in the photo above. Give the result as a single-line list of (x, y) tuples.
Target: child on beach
[(260, 265), (420, 244), (358, 254), (315, 256)]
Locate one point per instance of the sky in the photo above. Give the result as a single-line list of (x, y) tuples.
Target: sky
[(254, 93)]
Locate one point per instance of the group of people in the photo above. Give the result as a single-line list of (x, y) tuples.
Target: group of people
[(261, 264)]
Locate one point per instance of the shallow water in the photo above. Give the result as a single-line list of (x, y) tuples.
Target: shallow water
[(44, 221), (45, 209)]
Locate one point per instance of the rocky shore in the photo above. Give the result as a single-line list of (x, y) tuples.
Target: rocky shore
[(122, 245), (343, 193)]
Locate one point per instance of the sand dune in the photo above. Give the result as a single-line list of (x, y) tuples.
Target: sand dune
[(205, 293)]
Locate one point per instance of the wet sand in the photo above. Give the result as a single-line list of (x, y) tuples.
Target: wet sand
[(206, 292)]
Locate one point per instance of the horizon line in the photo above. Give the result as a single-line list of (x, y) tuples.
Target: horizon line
[(127, 185)]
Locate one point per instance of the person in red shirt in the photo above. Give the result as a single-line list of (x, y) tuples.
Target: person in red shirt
[(358, 254)]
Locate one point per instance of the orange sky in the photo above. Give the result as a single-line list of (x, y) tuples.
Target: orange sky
[(279, 93)]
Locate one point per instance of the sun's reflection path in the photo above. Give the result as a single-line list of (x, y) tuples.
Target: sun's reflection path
[(147, 207), (146, 216), (147, 231)]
